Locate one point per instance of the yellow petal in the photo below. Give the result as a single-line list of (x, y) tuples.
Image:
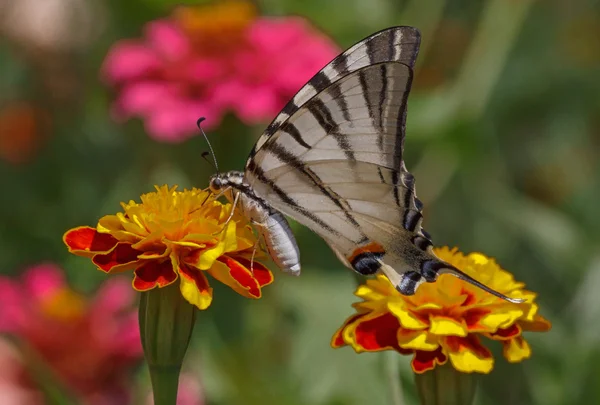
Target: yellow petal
[(467, 362), (516, 350), (367, 293), (407, 319), (201, 298), (447, 327), (417, 340), (503, 317), (228, 243)]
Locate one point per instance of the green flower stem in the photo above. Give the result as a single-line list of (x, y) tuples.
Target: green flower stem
[(166, 325), (165, 383), (444, 385)]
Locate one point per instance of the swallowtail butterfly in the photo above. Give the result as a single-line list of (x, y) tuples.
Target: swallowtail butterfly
[(332, 160)]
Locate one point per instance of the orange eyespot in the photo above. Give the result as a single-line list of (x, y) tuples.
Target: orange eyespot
[(371, 247)]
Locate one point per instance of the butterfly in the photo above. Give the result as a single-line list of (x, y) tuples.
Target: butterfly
[(332, 160)]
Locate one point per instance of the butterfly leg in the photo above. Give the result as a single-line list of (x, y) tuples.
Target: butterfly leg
[(233, 205)]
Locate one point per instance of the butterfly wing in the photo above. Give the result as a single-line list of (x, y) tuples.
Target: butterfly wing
[(399, 44), (332, 160), (336, 166)]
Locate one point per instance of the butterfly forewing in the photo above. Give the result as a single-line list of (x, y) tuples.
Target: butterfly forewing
[(400, 44)]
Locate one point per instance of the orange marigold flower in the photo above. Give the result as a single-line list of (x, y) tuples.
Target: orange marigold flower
[(175, 235), (445, 320)]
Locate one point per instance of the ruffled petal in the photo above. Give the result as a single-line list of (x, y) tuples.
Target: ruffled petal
[(417, 340), (516, 350), (506, 334), (231, 273), (375, 333), (152, 274), (86, 241), (194, 287), (445, 326), (539, 324), (227, 244), (467, 354), (427, 360), (261, 274), (408, 318), (122, 257), (338, 337)]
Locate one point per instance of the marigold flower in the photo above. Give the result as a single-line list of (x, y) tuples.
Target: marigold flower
[(446, 319), (175, 235), (92, 345), (211, 59)]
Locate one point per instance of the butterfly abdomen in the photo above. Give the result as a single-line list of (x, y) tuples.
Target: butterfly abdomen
[(281, 244), (275, 232)]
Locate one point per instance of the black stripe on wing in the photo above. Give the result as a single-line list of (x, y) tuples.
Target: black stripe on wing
[(288, 158), (399, 44)]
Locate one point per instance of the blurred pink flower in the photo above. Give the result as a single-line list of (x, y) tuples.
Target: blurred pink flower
[(208, 60), (92, 346), (15, 387)]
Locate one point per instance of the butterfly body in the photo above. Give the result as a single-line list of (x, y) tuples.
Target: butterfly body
[(332, 159), (272, 226)]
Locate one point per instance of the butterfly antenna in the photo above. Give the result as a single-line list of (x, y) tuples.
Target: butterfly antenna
[(212, 152), (459, 274)]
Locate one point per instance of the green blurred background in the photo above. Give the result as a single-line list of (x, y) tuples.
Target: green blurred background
[(503, 136)]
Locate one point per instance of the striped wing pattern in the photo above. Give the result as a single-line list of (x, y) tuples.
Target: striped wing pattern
[(400, 44), (332, 159)]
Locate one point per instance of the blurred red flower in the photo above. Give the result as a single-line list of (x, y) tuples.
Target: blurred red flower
[(92, 346), (207, 60)]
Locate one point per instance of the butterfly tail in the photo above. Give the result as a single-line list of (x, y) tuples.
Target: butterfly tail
[(407, 283)]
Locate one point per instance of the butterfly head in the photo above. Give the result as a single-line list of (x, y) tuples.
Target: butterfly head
[(220, 181)]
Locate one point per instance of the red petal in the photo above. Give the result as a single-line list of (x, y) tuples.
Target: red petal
[(472, 318), (84, 240), (470, 342), (195, 275), (424, 361), (152, 274), (242, 275), (261, 274), (508, 333), (338, 339), (122, 254), (378, 333)]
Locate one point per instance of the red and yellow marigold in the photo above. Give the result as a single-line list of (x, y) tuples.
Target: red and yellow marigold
[(446, 319), (175, 236)]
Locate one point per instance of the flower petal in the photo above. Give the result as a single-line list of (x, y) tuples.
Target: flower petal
[(407, 318), (86, 241), (122, 257), (501, 317), (233, 274), (445, 326), (228, 243), (467, 354), (539, 324), (427, 360), (152, 274), (375, 333), (417, 340), (506, 334), (338, 337), (260, 273), (194, 287), (516, 350)]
